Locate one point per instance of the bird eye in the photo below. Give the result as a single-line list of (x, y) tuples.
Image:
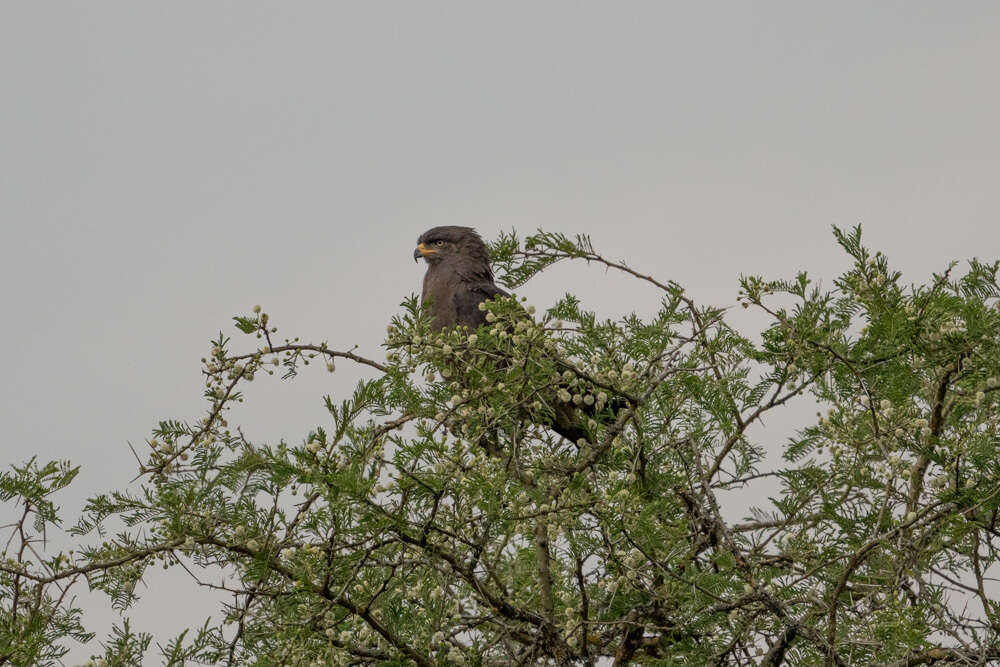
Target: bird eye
[(439, 243)]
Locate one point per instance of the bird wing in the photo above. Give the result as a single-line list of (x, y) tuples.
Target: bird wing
[(467, 299)]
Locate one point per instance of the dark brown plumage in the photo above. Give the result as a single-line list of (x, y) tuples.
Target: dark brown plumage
[(458, 279), (458, 276)]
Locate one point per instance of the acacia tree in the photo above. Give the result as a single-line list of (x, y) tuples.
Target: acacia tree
[(435, 520)]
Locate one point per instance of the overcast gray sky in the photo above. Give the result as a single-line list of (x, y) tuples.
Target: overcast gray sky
[(165, 165)]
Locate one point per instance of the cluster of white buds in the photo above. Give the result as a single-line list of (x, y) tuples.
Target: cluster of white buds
[(941, 481), (314, 445), (950, 327)]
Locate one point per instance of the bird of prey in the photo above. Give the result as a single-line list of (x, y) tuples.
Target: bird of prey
[(458, 276), (458, 279)]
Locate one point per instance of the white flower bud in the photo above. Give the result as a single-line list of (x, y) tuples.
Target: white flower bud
[(253, 545)]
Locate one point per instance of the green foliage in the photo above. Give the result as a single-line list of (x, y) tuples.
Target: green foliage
[(434, 518), (34, 618)]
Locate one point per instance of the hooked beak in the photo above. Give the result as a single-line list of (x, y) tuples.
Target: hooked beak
[(422, 251)]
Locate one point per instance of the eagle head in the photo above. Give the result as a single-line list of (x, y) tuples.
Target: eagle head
[(451, 244)]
